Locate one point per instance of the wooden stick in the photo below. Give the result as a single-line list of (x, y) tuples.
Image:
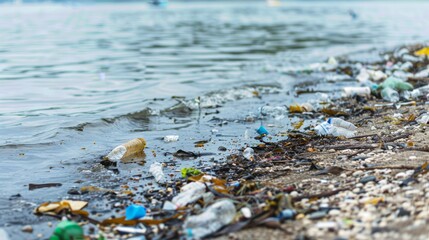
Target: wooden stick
[(320, 195)]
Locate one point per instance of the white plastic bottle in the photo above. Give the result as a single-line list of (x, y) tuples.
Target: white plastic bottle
[(338, 122), (211, 220), (156, 170), (336, 127)]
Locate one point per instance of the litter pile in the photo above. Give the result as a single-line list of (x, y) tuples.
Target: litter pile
[(359, 173)]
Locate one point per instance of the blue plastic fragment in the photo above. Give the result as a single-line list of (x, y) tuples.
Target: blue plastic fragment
[(133, 212), (286, 214), (262, 131), (234, 184)]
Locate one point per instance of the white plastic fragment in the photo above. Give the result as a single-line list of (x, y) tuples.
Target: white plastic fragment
[(156, 170), (171, 138), (359, 91)]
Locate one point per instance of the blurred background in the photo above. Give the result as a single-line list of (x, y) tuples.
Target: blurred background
[(80, 77)]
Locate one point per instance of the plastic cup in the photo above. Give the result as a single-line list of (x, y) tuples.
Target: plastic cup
[(133, 212)]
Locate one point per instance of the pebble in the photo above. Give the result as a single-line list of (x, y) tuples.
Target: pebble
[(366, 216), (334, 212), (402, 212), (246, 212), (357, 173), (317, 215), (400, 175), (368, 179), (73, 191), (27, 228), (294, 194), (327, 225)]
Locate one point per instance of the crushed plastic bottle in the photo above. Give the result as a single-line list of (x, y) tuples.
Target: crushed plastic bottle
[(127, 149), (418, 92), (211, 220), (390, 95), (336, 127), (190, 193), (396, 84), (359, 91), (370, 75), (171, 138), (156, 170), (248, 154)]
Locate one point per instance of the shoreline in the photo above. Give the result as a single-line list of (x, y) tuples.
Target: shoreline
[(337, 187)]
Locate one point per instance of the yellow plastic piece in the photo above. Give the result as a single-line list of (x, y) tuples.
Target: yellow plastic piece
[(295, 109), (422, 52)]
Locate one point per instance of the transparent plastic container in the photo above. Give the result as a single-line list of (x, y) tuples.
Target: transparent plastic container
[(211, 220), (127, 149), (191, 192), (390, 95)]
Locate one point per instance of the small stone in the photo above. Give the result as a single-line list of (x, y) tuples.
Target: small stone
[(401, 212), (368, 179), (317, 215), (73, 191), (334, 212), (357, 173), (49, 224), (294, 194), (222, 148), (327, 225), (246, 212), (27, 228), (400, 175)]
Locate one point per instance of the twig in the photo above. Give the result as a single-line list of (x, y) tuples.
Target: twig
[(363, 136), (320, 195), (356, 153), (386, 167), (351, 146), (421, 149), (392, 139)]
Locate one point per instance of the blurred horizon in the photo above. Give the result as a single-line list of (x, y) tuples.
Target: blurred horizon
[(147, 1)]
